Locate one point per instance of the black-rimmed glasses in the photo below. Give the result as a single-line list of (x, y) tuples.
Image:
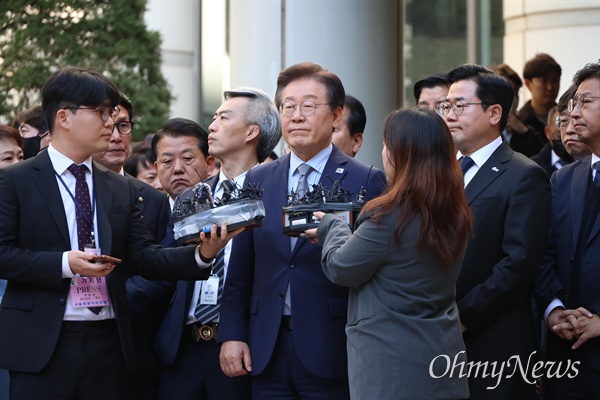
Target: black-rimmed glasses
[(103, 110), (458, 107), (124, 127)]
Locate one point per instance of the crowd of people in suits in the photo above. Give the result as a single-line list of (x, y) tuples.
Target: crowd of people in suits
[(467, 254)]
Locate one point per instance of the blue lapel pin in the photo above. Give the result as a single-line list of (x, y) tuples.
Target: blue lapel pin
[(495, 169)]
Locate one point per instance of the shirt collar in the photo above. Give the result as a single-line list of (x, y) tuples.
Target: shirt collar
[(239, 180), (317, 162), (481, 155), (60, 162), (595, 158)]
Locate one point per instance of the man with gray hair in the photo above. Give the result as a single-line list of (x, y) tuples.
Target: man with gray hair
[(244, 131)]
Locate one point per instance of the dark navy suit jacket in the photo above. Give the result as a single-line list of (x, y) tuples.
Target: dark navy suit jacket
[(569, 188), (168, 338), (509, 197), (262, 264)]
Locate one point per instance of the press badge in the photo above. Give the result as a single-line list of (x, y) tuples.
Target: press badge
[(209, 290), (89, 291)]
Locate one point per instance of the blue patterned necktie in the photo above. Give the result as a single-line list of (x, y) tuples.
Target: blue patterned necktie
[(302, 188), (465, 164), (83, 205)]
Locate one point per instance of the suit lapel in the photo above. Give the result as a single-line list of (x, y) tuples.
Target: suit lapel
[(140, 192), (103, 190), (45, 180), (334, 170), (579, 186), (489, 172)]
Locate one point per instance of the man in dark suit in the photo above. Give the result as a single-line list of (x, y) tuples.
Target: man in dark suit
[(53, 346), (245, 129), (567, 288), (509, 196), (553, 155), (154, 206), (282, 320)]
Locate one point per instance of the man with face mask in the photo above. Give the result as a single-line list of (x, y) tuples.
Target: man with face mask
[(553, 155), (33, 127)]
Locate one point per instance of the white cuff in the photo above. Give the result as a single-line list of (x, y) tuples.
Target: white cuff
[(199, 261), (553, 304), (66, 269)]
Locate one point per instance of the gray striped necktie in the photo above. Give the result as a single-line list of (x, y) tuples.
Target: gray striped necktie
[(205, 313)]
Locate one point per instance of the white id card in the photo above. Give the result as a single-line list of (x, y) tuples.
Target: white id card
[(209, 290)]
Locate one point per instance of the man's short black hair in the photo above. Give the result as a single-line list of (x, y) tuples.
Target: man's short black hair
[(428, 82), (591, 70), (74, 87), (126, 104), (357, 117), (541, 66), (563, 101), (179, 127)]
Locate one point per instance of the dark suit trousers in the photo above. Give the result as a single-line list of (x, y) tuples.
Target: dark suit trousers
[(586, 385), (87, 364), (285, 377), (196, 374)]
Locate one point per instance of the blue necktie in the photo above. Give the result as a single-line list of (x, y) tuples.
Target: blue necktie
[(465, 164), (596, 166)]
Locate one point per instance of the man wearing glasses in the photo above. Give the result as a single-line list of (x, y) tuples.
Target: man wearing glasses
[(509, 196), (64, 319), (564, 122), (282, 320), (553, 155), (154, 206), (568, 284)]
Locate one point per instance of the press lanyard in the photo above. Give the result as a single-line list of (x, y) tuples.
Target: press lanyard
[(90, 223)]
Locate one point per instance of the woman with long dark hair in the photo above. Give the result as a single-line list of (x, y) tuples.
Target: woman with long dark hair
[(401, 263)]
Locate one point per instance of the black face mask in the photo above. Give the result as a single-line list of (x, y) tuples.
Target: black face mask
[(31, 146), (560, 151)]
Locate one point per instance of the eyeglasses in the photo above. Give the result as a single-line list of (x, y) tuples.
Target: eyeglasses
[(458, 107), (561, 121), (288, 109), (103, 110), (579, 101), (124, 127)]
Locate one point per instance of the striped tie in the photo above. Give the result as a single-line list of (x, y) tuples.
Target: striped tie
[(205, 313)]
